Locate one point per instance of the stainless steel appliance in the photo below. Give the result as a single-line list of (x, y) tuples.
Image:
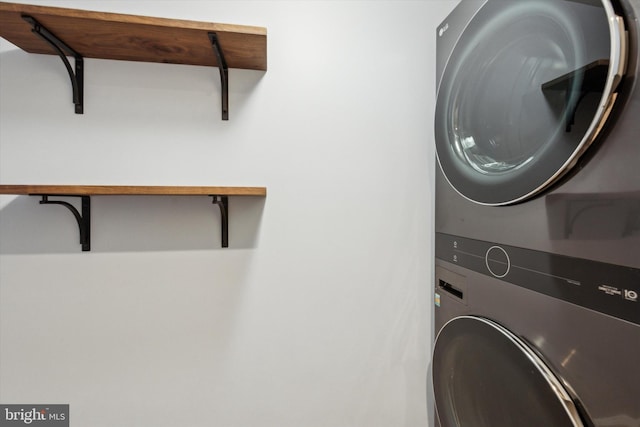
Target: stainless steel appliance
[(537, 313)]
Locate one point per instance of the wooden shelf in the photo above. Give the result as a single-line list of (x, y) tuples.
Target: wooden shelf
[(129, 190), (220, 197), (134, 38)]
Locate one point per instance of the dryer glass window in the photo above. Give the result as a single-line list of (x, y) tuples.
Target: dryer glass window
[(523, 94), (484, 376)]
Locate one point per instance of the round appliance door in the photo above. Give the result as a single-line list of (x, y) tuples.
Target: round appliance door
[(485, 376), (526, 89)]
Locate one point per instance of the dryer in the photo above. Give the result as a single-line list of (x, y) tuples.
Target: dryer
[(537, 218)]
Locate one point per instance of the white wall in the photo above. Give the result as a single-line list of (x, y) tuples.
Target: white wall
[(319, 312)]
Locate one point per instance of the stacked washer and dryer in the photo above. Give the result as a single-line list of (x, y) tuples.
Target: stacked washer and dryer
[(537, 247)]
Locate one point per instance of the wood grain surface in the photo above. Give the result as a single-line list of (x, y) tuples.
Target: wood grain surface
[(130, 190), (135, 38)]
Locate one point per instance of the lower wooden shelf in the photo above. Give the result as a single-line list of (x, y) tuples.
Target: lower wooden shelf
[(131, 190), (220, 197)]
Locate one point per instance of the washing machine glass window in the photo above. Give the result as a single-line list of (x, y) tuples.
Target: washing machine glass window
[(524, 92), (485, 376)]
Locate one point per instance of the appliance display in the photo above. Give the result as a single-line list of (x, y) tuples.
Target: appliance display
[(537, 218)]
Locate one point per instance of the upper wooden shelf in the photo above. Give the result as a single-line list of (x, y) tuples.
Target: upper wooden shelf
[(135, 38), (130, 190), (85, 34)]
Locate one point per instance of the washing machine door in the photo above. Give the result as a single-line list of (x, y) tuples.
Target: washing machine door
[(524, 92), (485, 376)]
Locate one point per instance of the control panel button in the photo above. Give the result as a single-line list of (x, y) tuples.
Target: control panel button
[(497, 261)]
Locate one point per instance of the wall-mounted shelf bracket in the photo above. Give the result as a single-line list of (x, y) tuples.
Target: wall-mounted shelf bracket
[(223, 204), (83, 218), (62, 49), (224, 74)]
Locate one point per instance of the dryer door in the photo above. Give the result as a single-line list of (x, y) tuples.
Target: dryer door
[(485, 376), (524, 92)]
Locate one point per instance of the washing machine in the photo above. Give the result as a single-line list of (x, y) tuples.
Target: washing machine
[(537, 217)]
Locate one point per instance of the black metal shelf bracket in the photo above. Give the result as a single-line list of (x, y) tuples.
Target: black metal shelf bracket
[(224, 74), (223, 204), (62, 49), (83, 218)]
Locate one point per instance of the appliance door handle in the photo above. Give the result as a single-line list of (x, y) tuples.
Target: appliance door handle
[(619, 52)]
